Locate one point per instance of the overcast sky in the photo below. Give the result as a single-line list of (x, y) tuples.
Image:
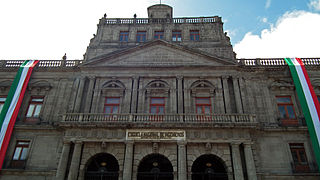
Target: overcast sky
[(46, 29)]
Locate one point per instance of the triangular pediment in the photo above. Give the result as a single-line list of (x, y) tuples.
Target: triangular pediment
[(158, 54)]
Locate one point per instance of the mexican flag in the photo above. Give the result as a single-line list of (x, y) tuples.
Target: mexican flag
[(308, 100), (11, 107)]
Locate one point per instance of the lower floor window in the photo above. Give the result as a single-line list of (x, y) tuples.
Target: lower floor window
[(20, 154), (300, 162)]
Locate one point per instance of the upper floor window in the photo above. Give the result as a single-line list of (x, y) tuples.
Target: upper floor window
[(203, 105), (158, 34), (20, 154), (194, 35), (2, 101), (300, 162), (176, 35), (124, 36), (111, 105), (34, 107), (141, 36), (286, 110), (157, 105)]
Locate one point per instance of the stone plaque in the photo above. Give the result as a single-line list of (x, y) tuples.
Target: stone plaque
[(153, 134)]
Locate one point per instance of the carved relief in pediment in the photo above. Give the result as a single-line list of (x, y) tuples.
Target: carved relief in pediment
[(113, 88), (281, 85), (202, 88)]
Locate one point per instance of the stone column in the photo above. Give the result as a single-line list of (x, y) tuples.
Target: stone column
[(62, 166), (237, 94), (89, 94), (79, 95), (251, 168), (226, 94), (236, 159), (180, 94), (134, 100), (75, 161), (127, 169), (182, 162)]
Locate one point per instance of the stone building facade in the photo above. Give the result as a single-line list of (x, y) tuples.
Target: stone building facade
[(160, 98)]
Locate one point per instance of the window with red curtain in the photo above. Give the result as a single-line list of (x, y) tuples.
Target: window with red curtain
[(111, 105), (157, 105), (124, 36), (194, 35), (203, 105), (300, 161), (176, 35), (286, 110), (141, 36), (158, 34)]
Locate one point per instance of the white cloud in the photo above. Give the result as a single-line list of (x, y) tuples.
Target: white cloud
[(264, 20), (314, 4), (296, 34), (268, 4), (37, 29)]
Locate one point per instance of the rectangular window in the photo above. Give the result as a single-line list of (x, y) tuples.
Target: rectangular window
[(158, 34), (34, 107), (111, 105), (194, 35), (141, 36), (124, 36), (157, 105), (176, 35), (203, 105), (286, 110), (300, 162), (2, 101), (20, 154)]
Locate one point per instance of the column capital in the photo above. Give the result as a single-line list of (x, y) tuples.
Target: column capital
[(135, 77), (247, 143), (78, 142), (182, 143), (179, 77), (235, 143), (129, 142), (225, 77), (91, 77), (66, 142)]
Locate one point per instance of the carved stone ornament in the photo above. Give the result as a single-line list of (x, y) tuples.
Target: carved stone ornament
[(208, 147), (103, 145), (281, 85), (155, 147)]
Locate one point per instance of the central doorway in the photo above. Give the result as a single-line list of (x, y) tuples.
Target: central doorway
[(208, 167), (155, 167), (102, 166)]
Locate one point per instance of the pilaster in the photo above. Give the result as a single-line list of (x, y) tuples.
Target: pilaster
[(236, 159), (89, 94), (182, 161), (62, 166), (237, 94), (127, 169), (226, 94), (75, 161), (251, 168)]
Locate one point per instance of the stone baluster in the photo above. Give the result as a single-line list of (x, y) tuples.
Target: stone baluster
[(75, 161), (236, 159), (62, 166)]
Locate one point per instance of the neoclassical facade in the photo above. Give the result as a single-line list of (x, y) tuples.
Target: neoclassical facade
[(160, 98)]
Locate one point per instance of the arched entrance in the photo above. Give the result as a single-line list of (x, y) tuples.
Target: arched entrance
[(102, 166), (155, 167), (208, 167)]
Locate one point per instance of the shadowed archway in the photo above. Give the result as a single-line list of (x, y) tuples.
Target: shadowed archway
[(102, 166), (155, 167), (208, 167)]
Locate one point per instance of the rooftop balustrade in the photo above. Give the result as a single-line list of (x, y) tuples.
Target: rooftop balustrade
[(83, 118), (75, 63), (189, 20)]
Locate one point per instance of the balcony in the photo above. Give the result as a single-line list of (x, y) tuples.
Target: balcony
[(171, 120)]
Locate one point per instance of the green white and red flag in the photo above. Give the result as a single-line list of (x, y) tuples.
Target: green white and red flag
[(12, 105), (308, 100)]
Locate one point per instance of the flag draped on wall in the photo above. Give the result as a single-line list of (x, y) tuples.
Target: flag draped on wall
[(11, 107), (308, 100)]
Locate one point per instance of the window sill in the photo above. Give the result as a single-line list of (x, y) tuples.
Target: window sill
[(289, 122)]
